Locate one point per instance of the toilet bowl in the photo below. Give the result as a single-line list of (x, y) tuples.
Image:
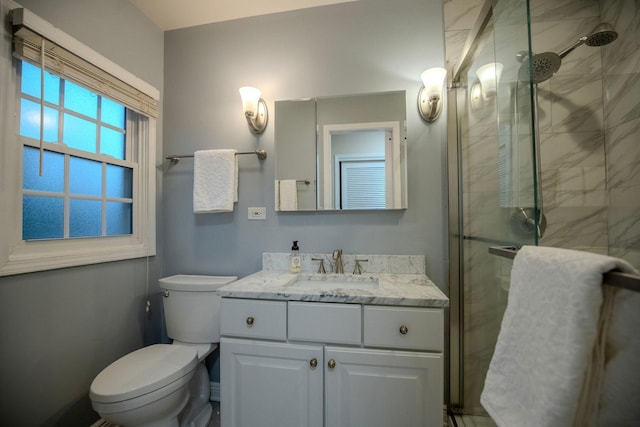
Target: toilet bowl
[(167, 385)]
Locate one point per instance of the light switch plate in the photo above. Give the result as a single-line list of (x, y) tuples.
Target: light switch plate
[(257, 213)]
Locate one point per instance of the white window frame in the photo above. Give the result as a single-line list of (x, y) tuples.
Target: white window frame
[(18, 256), (392, 159)]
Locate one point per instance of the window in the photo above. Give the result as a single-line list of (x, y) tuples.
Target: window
[(86, 186), (80, 190)]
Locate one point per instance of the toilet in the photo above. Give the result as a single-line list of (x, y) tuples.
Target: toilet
[(167, 385)]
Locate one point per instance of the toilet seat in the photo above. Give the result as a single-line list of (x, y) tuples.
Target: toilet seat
[(142, 372)]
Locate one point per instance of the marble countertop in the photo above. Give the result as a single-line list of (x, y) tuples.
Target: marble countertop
[(414, 290)]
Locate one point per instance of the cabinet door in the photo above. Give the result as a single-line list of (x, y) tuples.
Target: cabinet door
[(383, 388), (267, 384)]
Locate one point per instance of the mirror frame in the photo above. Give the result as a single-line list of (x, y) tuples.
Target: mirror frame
[(294, 142)]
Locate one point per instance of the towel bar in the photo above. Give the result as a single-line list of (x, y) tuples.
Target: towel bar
[(174, 158), (613, 278)]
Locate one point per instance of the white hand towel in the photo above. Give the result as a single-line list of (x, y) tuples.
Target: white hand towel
[(215, 181), (547, 335), (287, 195)]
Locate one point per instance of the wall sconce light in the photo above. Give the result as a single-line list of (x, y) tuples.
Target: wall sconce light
[(430, 95), (485, 88), (254, 108)]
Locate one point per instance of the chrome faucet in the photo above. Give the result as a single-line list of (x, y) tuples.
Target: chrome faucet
[(321, 268), (358, 268), (337, 257)]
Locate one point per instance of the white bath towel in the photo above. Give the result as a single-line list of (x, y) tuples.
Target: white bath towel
[(286, 195), (215, 181), (548, 332)]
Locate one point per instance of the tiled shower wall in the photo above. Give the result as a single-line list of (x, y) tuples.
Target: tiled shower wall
[(589, 123), (589, 128), (621, 88)]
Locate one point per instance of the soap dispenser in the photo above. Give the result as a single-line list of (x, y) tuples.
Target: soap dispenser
[(295, 260)]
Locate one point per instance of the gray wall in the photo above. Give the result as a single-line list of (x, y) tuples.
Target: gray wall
[(58, 329), (365, 46)]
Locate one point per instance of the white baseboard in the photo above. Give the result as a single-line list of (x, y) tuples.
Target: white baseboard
[(215, 392)]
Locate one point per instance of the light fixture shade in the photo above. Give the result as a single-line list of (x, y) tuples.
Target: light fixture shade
[(250, 97), (254, 109), (433, 79), (489, 76), (430, 94)]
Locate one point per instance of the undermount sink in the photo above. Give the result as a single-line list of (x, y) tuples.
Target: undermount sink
[(338, 281)]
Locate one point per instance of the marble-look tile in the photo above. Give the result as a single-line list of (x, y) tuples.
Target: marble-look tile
[(461, 14), (480, 157), (573, 161), (481, 120), (554, 10), (454, 42), (484, 298), (471, 219), (483, 215), (570, 228), (574, 199), (623, 55), (621, 98), (623, 155), (576, 103), (475, 368), (631, 255), (575, 178), (543, 100), (624, 223)]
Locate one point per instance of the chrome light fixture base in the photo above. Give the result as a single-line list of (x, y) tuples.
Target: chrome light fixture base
[(429, 107), (258, 121)]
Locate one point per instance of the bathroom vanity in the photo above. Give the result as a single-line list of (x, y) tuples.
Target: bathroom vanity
[(332, 350)]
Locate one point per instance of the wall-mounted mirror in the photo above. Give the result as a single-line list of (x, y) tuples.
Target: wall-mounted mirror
[(341, 153)]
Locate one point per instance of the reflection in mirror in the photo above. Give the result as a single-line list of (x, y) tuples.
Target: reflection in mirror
[(295, 154), (357, 165), (358, 161)]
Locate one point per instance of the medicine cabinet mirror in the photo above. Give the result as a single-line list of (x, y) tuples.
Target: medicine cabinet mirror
[(341, 153)]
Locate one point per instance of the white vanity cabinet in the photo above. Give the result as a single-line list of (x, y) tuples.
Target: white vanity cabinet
[(330, 364)]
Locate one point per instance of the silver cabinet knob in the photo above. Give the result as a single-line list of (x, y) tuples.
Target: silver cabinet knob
[(404, 330), (250, 321), (331, 364), (313, 362)]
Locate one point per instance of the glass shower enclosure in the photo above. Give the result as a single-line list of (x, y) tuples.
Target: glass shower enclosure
[(493, 196)]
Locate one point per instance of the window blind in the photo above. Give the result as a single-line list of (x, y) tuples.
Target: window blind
[(363, 185), (66, 64)]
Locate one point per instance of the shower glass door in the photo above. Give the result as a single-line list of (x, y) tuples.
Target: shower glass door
[(493, 197)]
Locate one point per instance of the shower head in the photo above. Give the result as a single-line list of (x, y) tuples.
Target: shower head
[(543, 66), (546, 64), (601, 35)]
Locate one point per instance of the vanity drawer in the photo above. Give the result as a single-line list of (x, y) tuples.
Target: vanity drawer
[(410, 328), (325, 322), (254, 319)]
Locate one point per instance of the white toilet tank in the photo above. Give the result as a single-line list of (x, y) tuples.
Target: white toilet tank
[(192, 307)]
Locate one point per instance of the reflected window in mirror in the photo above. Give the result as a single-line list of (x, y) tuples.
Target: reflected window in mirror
[(351, 148)]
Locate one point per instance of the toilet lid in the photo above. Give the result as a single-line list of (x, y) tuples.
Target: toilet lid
[(143, 371)]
